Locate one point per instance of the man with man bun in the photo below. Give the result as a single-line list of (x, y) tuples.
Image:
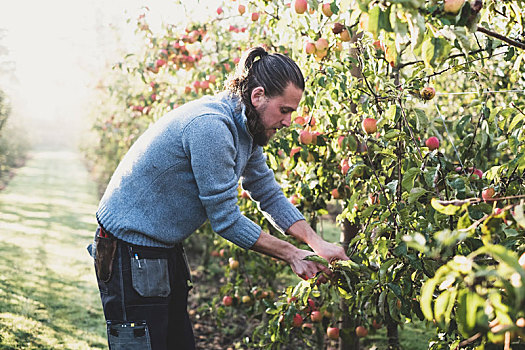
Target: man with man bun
[(184, 170)]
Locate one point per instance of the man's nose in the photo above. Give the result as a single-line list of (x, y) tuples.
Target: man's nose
[(287, 121)]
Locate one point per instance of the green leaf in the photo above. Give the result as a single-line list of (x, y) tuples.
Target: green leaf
[(317, 259), (448, 209), (415, 194), (409, 178), (383, 269), (427, 295)]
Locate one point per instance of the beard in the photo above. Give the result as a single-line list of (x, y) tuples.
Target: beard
[(257, 129)]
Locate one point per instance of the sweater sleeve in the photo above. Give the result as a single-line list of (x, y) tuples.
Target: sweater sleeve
[(209, 144), (259, 181)]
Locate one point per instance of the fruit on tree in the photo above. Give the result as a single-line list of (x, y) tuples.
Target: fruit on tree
[(297, 320), (300, 6), (327, 9), (294, 199), (316, 316), (345, 166), (245, 194), (370, 125), (453, 6), (345, 35), (361, 331), (332, 332), (219, 11), (246, 299), (428, 93), (321, 45), (520, 322), (432, 143), (234, 264), (488, 193), (338, 28), (309, 48), (335, 194), (242, 9), (299, 120), (227, 300), (305, 137), (290, 300), (376, 324), (255, 16)]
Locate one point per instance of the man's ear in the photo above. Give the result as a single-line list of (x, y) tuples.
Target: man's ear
[(258, 96)]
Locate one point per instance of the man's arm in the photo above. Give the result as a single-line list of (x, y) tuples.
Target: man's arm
[(277, 248)]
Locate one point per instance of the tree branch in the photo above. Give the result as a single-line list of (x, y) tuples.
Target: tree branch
[(501, 37)]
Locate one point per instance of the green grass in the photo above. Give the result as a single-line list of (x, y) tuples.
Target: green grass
[(48, 293)]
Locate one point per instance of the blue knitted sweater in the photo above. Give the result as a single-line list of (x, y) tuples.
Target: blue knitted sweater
[(185, 169)]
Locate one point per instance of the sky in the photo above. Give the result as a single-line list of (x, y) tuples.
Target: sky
[(53, 51)]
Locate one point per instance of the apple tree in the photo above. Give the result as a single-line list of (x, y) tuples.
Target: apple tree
[(411, 124)]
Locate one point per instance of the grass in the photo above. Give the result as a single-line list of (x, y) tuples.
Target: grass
[(48, 293)]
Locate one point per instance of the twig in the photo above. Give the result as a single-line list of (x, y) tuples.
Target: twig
[(468, 341), (501, 37)]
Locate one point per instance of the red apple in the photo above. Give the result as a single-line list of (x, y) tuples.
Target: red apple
[(326, 9), (245, 194), (299, 120), (428, 93), (219, 11), (305, 137), (361, 331), (321, 45), (370, 125), (316, 316), (432, 143), (453, 6), (488, 193), (160, 63), (345, 35), (332, 332), (345, 166), (227, 300), (335, 194), (205, 85), (255, 16), (297, 320), (300, 6), (294, 199), (376, 324), (242, 9), (309, 48)]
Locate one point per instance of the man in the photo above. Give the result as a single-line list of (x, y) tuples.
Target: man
[(182, 171)]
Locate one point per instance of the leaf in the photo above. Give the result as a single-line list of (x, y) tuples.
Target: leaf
[(448, 209), (427, 295), (416, 28), (441, 305), (317, 259), (415, 194), (409, 178), (383, 269)]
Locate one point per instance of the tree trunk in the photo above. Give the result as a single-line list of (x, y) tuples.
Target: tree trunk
[(348, 232)]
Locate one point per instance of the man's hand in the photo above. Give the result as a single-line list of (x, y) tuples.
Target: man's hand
[(294, 256), (304, 268), (328, 251)]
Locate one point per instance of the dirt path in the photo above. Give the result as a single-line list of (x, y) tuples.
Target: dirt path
[(48, 293)]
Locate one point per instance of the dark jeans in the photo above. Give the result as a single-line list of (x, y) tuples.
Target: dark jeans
[(145, 298)]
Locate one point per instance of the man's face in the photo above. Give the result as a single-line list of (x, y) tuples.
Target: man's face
[(276, 112)]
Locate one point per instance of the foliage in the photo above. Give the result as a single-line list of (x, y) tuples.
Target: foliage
[(419, 212)]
